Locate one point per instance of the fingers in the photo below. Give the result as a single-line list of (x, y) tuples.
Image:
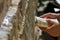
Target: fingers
[(49, 15), (52, 30), (50, 23), (44, 16)]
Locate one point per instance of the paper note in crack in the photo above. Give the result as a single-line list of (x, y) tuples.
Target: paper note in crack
[(41, 22)]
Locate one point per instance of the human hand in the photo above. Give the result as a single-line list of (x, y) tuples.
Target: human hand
[(49, 15), (52, 29)]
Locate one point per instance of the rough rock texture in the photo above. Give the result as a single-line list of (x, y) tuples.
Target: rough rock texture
[(18, 23), (7, 11), (4, 4), (23, 21)]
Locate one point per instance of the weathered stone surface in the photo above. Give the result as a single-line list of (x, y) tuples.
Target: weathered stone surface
[(23, 22), (4, 4), (6, 15)]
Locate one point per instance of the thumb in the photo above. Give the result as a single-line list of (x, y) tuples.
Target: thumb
[(50, 23)]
